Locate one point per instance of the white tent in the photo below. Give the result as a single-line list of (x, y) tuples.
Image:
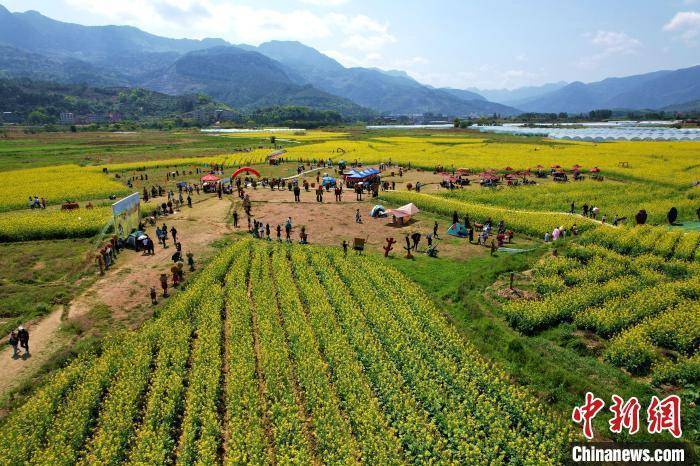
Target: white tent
[(404, 212)]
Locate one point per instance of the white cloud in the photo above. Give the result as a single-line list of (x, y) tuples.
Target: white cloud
[(363, 33), (611, 44), (615, 42), (687, 23), (240, 23)]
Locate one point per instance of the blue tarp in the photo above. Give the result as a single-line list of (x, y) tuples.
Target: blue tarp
[(327, 180), (360, 174)]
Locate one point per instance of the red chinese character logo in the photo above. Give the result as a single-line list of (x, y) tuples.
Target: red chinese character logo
[(665, 415), (624, 415), (587, 412)]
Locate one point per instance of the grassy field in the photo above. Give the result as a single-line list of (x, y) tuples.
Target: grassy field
[(47, 149), (37, 276)]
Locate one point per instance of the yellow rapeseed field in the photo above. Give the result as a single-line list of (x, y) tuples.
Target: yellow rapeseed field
[(290, 135), (55, 184), (668, 163), (228, 160), (26, 225)]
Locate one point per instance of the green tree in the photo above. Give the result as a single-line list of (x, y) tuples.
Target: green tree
[(38, 117)]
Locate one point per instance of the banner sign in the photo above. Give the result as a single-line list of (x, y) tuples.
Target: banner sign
[(126, 215)]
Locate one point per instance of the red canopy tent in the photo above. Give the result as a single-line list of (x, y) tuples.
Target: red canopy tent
[(487, 176), (209, 178), (247, 170)]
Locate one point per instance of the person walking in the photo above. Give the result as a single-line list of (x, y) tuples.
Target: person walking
[(23, 337), (173, 233), (435, 230), (189, 201), (14, 341), (288, 230), (164, 284), (190, 261), (345, 247), (279, 233), (154, 296), (235, 219), (416, 240), (358, 217), (297, 193), (267, 231)]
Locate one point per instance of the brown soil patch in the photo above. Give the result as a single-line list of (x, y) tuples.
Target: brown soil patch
[(514, 293), (331, 222)]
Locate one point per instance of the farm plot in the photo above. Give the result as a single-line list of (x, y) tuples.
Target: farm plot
[(642, 303), (282, 354)]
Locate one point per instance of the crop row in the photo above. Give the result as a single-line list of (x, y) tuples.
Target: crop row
[(678, 328), (642, 302), (414, 327), (612, 198), (648, 239), (281, 354), (531, 223)]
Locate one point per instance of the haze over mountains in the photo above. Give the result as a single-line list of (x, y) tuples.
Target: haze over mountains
[(291, 73)]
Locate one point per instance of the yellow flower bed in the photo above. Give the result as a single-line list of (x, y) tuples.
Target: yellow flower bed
[(25, 225)]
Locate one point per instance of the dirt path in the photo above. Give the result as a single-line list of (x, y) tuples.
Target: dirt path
[(123, 289)]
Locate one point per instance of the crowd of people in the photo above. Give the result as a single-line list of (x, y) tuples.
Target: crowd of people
[(36, 203)]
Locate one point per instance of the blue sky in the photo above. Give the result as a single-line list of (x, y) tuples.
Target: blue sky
[(454, 43)]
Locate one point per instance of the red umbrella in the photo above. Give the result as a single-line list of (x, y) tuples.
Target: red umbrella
[(576, 166), (595, 170), (556, 166), (209, 178)]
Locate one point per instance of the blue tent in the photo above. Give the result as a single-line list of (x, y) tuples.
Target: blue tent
[(327, 181), (361, 174), (457, 229)]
